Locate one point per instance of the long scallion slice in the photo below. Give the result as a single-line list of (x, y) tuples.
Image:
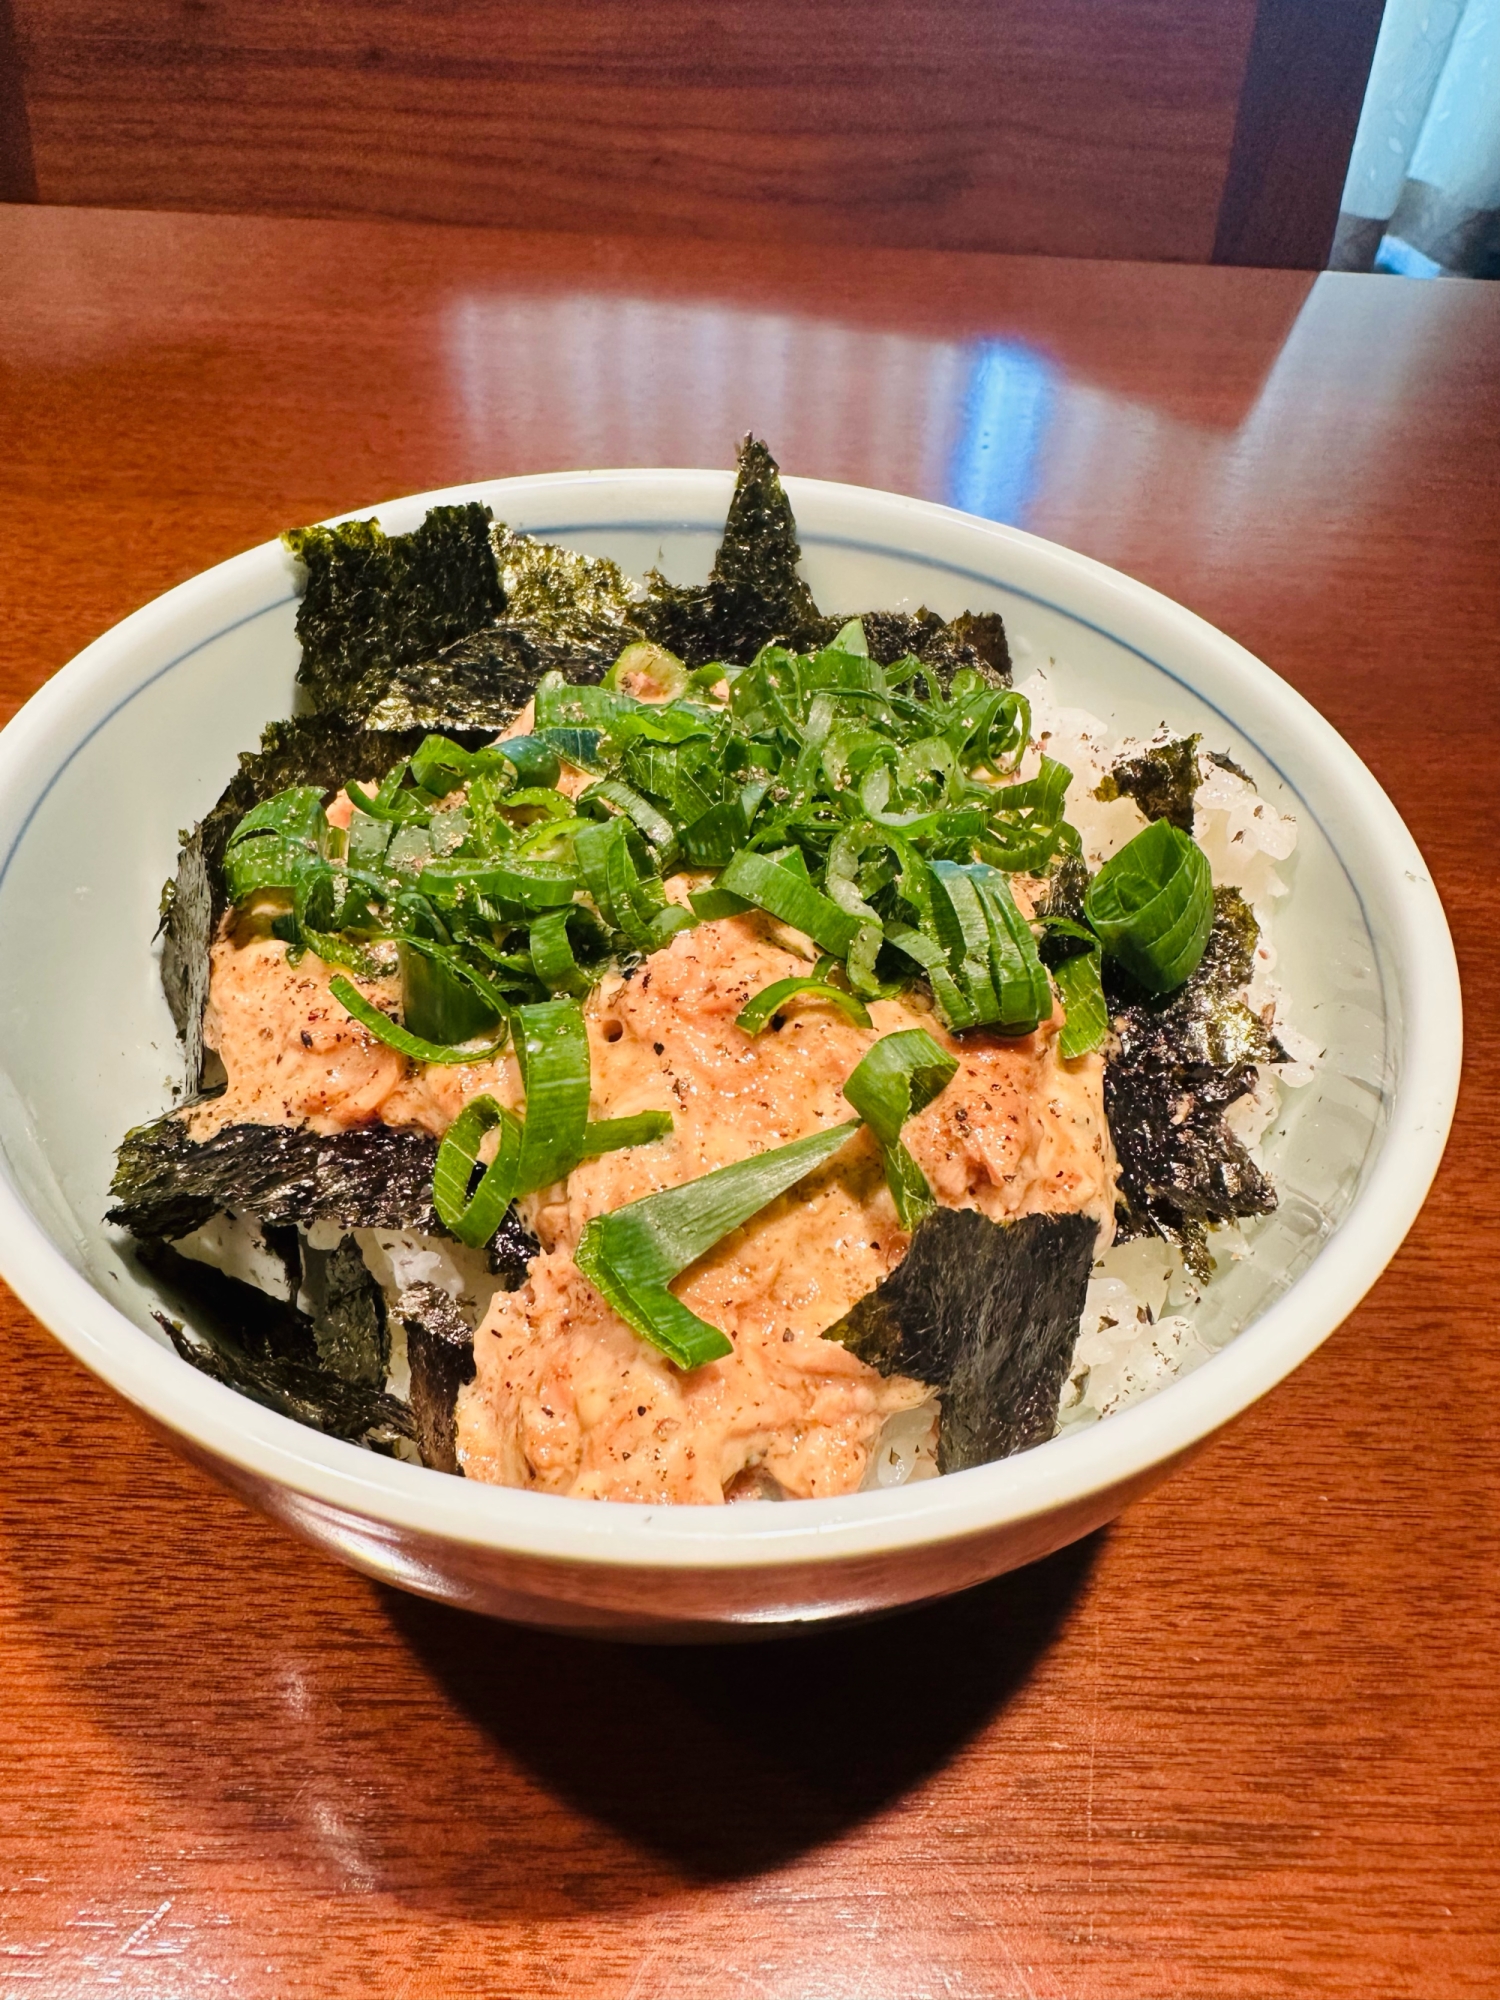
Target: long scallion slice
[(792, 898), (553, 957), (444, 999), (756, 1012), (474, 1218), (614, 1135), (897, 1078), (538, 887), (1152, 905), (384, 1029), (1087, 1023), (632, 1255), (552, 1048)]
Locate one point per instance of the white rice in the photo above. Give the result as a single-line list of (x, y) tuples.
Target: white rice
[(1138, 1330)]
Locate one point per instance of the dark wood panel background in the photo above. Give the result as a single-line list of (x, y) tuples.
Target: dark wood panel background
[(1064, 126)]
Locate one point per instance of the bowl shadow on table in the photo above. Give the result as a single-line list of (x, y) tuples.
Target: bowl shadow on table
[(730, 1760)]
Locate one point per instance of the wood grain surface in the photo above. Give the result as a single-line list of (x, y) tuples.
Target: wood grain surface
[(1244, 1742), (1033, 125)]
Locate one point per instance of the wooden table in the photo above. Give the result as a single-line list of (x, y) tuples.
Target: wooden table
[(1245, 1741)]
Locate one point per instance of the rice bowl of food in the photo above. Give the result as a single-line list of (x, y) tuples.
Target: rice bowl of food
[(700, 1071)]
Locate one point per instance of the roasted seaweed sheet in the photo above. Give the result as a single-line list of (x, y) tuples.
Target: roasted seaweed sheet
[(974, 639), (375, 602), (167, 1184), (988, 1313), (440, 1350), (1177, 1065), (267, 1350), (754, 593), (1162, 779)]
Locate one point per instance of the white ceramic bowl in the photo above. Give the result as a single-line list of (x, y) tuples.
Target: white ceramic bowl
[(138, 735)]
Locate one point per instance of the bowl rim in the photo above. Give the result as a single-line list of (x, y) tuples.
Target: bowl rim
[(1067, 1471)]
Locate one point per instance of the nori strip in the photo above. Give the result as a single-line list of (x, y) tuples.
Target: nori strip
[(483, 681), (1176, 1066), (988, 1313), (347, 1312), (1067, 888), (975, 639), (265, 1349), (1161, 780), (440, 1350), (186, 930), (374, 1177), (754, 593), (375, 602), (564, 598), (511, 1250)]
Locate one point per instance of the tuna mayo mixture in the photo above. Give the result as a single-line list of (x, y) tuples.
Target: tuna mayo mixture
[(566, 1398)]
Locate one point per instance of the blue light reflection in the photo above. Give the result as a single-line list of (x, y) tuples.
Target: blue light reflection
[(1007, 408)]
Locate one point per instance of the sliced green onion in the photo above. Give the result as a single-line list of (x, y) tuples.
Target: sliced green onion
[(579, 747), (896, 1079), (552, 955), (717, 835), (387, 803), (552, 1048), (267, 862), (384, 1029), (439, 765), (632, 1255), (1152, 906), (534, 762), (339, 951), (794, 900), (664, 668), (473, 1219), (654, 825), (444, 1000), (613, 1135), (541, 886), (963, 927), (297, 812), (917, 945), (1020, 978), (754, 1015), (552, 804), (710, 904), (1087, 1023)]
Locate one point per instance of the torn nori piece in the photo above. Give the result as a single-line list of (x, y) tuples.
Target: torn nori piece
[(975, 639), (265, 1349), (187, 926), (375, 602), (511, 1250), (754, 593), (1065, 895), (1226, 763), (1161, 779), (563, 598), (372, 1177), (988, 1313), (484, 680), (347, 1312), (1177, 1065), (440, 1350)]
